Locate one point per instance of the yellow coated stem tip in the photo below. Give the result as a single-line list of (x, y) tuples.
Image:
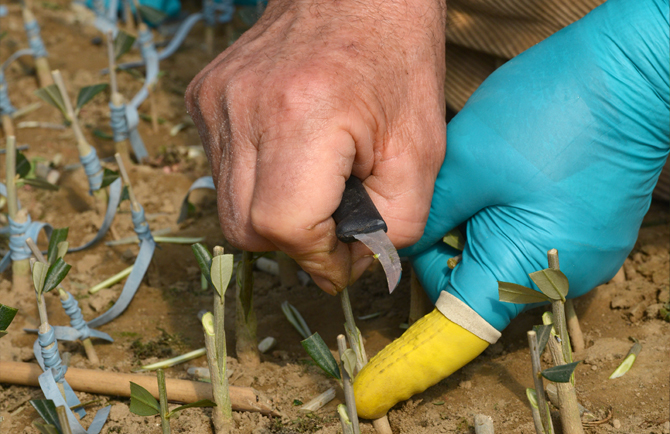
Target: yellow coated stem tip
[(430, 350)]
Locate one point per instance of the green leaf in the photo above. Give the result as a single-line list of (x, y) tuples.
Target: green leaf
[(102, 135), (553, 283), (52, 95), (56, 274), (142, 403), (124, 194), (40, 183), (201, 403), (122, 43), (295, 318), (23, 166), (455, 239), (221, 272), (532, 397), (152, 16), (349, 362), (543, 332), (3, 333), (560, 373), (109, 176), (87, 93), (46, 428), (204, 259), (627, 361), (7, 315), (39, 274), (319, 352), (47, 411), (57, 237), (519, 294), (62, 249)]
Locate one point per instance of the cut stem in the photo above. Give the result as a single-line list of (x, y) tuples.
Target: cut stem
[(111, 281), (162, 397), (567, 396), (62, 419), (353, 334), (7, 125), (347, 385), (539, 383), (222, 415), (246, 343), (558, 309), (126, 181)]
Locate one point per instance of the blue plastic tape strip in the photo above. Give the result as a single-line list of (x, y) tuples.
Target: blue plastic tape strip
[(204, 182), (147, 247), (112, 205)]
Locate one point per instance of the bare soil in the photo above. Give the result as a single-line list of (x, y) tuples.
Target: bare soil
[(162, 319)]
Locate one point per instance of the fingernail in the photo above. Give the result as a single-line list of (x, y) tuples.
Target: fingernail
[(325, 284), (359, 267)]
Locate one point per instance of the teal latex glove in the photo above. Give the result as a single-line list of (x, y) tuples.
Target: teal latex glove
[(559, 148)]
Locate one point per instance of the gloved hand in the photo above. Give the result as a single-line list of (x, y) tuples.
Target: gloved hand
[(559, 148)]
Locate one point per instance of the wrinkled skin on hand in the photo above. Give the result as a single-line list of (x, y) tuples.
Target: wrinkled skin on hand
[(314, 92)]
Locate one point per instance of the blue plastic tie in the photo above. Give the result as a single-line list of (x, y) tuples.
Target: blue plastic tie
[(17, 241), (51, 355), (118, 122), (140, 224), (6, 107), (93, 169), (71, 306), (204, 182), (35, 39)]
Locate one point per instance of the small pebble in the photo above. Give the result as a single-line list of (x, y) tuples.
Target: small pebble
[(465, 384), (616, 423), (594, 368)]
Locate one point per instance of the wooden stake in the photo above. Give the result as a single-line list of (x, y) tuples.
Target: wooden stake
[(8, 125), (162, 396), (574, 330), (118, 384), (567, 396), (126, 180), (42, 68), (83, 146), (558, 309)]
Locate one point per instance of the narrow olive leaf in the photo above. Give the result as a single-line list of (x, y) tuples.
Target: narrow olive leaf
[(108, 176), (23, 166), (627, 361), (152, 16), (532, 397), (51, 95), (62, 249), (455, 239), (201, 403), (45, 428), (40, 183), (39, 274), (102, 135), (124, 194), (204, 259), (519, 294), (56, 274), (543, 332), (295, 318), (221, 272), (57, 237), (7, 315), (319, 352), (87, 93), (349, 362), (142, 403), (553, 283), (560, 373), (47, 411), (122, 43)]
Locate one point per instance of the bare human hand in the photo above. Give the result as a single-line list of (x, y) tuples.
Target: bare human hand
[(314, 92)]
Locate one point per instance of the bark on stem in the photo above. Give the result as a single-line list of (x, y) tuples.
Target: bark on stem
[(83, 146), (574, 329), (348, 386), (558, 309), (539, 383), (162, 398), (567, 396)]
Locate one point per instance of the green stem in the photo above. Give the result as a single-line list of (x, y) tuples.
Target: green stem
[(10, 171), (62, 419), (219, 325), (111, 281), (162, 395), (558, 309), (246, 343), (348, 386), (222, 415), (353, 334)]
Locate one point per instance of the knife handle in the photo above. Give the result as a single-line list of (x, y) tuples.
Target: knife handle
[(356, 213)]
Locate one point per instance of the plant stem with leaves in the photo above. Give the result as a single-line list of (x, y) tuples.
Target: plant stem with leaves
[(558, 309), (20, 268), (347, 385), (246, 343), (547, 425)]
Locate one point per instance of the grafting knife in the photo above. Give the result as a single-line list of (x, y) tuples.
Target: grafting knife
[(358, 219)]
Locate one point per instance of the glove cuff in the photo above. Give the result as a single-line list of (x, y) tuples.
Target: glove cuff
[(455, 310)]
